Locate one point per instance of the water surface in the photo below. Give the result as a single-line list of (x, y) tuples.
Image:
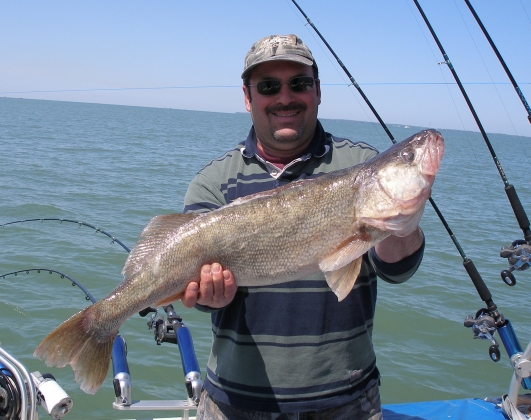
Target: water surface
[(115, 167)]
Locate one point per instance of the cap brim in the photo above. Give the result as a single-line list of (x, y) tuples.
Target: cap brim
[(294, 58)]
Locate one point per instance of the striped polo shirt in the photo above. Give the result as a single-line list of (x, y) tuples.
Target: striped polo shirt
[(291, 347)]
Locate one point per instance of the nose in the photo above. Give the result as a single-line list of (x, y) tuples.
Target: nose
[(286, 95)]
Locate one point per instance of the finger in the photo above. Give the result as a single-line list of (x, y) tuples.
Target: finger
[(189, 298), (230, 285), (218, 283), (206, 288)]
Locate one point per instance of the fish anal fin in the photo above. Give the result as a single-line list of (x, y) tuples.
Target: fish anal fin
[(342, 281), (155, 232), (170, 299)]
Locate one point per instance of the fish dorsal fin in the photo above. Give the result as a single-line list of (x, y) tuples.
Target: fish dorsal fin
[(341, 268), (156, 231), (342, 280), (165, 223)]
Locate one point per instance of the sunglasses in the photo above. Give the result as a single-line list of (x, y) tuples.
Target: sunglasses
[(296, 84)]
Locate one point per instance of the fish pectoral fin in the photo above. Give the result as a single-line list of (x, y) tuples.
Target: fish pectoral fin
[(341, 268), (170, 299), (342, 281), (348, 251), (153, 234)]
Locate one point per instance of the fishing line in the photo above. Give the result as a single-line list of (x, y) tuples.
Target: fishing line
[(485, 65), (501, 60), (525, 12), (350, 77), (24, 92), (118, 89), (363, 109), (96, 229), (483, 178), (88, 296), (504, 65)]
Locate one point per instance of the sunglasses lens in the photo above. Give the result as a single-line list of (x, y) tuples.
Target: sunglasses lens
[(297, 84), (268, 87), (301, 84)]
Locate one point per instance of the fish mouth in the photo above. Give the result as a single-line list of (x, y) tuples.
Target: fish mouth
[(411, 179), (431, 159)]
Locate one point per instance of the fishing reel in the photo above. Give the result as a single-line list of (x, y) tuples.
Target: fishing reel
[(51, 396), (484, 327), (164, 330), (9, 395), (174, 331), (519, 258), (21, 391)]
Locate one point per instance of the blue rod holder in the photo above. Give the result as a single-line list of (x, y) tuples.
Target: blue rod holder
[(119, 359), (186, 347), (512, 345)]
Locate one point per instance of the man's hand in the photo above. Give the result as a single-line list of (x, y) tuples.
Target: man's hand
[(402, 244), (215, 290), (395, 248)]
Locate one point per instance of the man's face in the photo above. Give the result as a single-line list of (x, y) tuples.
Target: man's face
[(284, 122)]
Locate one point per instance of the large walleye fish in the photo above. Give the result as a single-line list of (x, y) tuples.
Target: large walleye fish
[(324, 224)]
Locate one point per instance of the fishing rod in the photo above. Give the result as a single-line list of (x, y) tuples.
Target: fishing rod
[(88, 296), (502, 61), (97, 230), (516, 205)]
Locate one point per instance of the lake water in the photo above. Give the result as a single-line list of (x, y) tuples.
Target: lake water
[(115, 167)]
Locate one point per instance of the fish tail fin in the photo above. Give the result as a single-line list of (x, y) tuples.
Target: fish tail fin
[(75, 343)]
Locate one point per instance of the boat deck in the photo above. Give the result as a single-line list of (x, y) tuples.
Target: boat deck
[(470, 408)]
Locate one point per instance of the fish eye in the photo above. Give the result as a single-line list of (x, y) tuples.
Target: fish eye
[(409, 156)]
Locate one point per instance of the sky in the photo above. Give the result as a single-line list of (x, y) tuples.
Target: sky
[(189, 55)]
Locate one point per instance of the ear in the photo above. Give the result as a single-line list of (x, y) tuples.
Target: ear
[(247, 97), (318, 90)]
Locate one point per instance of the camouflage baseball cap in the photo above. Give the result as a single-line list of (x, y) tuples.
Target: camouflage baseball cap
[(277, 47)]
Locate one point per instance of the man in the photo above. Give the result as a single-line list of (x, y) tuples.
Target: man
[(291, 350)]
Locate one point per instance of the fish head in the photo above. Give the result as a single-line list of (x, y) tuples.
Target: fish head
[(398, 182)]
